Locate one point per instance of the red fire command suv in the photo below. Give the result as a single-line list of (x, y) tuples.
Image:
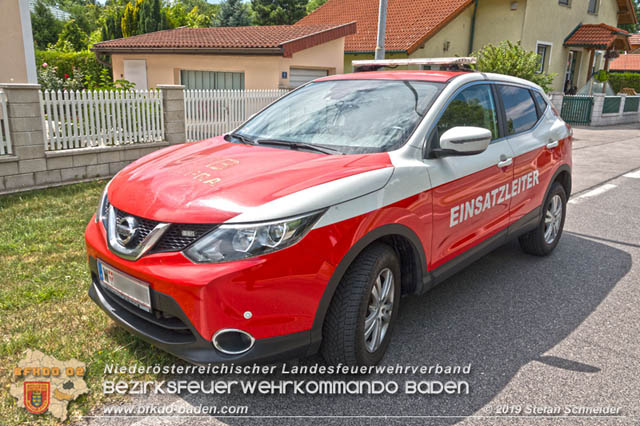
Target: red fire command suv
[(299, 231)]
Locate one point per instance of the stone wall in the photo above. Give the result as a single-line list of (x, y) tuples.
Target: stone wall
[(32, 167)]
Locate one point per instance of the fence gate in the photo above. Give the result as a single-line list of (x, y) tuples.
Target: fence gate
[(577, 109)]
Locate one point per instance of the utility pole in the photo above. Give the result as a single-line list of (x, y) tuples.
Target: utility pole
[(382, 27)]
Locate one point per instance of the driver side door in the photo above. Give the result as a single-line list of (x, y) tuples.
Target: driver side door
[(470, 200)]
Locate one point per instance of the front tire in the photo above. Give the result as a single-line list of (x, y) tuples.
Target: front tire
[(362, 314), (542, 240)]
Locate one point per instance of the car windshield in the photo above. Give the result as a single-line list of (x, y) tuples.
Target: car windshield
[(349, 116)]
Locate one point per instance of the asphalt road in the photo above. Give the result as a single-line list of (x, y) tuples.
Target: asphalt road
[(539, 333)]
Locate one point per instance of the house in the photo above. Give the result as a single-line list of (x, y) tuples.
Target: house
[(571, 36), (634, 41), (16, 44), (268, 57), (626, 63)]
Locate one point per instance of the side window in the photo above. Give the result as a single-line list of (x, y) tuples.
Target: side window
[(519, 108), (473, 106), (542, 104)]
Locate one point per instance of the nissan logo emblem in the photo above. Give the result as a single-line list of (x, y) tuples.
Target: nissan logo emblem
[(126, 230)]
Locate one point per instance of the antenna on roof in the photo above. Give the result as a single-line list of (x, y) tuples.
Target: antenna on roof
[(450, 64)]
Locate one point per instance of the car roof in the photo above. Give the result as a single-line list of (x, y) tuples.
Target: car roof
[(432, 76)]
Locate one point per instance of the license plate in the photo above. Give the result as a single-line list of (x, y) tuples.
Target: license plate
[(125, 286)]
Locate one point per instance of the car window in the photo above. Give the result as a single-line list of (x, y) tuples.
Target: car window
[(473, 106), (542, 104), (352, 116), (519, 108)]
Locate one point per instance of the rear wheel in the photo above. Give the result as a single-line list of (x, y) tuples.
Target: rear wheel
[(542, 240), (363, 311)]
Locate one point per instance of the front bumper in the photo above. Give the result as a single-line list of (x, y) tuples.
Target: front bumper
[(177, 336)]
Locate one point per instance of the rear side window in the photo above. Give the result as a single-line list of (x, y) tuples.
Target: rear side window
[(474, 106), (519, 108), (542, 104)]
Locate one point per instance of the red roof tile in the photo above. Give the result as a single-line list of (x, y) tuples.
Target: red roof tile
[(595, 35), (288, 38), (409, 22), (626, 63)]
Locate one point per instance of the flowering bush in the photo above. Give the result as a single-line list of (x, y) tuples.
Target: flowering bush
[(49, 80)]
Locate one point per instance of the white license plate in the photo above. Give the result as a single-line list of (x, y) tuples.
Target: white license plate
[(125, 286)]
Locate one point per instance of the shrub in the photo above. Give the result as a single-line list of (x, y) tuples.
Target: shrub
[(621, 80), (511, 59), (76, 65)]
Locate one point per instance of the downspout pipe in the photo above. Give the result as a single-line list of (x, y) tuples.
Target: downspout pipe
[(473, 27)]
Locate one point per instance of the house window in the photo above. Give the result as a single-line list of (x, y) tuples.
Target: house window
[(564, 2), (543, 51), (593, 6), (212, 80)]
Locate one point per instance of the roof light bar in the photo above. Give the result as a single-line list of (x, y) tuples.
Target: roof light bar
[(453, 61)]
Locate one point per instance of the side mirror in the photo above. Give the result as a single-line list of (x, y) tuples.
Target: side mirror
[(559, 130), (463, 140)]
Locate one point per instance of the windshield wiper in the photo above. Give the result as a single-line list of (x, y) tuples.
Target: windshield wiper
[(298, 145), (242, 138)]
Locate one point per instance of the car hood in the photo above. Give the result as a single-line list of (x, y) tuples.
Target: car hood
[(213, 181)]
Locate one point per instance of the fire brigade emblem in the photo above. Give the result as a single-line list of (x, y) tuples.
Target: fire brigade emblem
[(36, 396)]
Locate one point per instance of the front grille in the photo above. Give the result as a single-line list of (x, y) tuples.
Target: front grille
[(181, 235), (144, 227), (176, 238)]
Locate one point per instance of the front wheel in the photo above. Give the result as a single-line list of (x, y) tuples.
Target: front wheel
[(542, 240), (358, 326)]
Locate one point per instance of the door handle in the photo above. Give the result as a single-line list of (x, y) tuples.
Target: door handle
[(552, 144), (505, 162)]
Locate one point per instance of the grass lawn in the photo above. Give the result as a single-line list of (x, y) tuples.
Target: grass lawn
[(44, 303)]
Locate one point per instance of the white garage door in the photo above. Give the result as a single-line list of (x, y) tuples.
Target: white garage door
[(299, 76), (135, 71)]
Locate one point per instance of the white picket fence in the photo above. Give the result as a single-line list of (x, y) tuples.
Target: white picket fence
[(80, 119), (210, 113), (5, 136)]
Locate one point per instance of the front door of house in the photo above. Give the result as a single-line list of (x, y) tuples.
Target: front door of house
[(571, 73)]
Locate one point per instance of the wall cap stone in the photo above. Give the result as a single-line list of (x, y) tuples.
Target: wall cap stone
[(19, 86), (8, 158), (81, 151)]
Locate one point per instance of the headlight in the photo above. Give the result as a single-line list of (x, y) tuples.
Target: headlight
[(103, 207), (234, 242)]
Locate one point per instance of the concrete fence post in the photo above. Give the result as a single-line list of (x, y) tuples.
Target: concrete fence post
[(556, 100), (27, 166), (596, 112), (174, 114)]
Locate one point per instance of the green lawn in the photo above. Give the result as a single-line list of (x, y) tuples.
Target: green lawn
[(44, 303)]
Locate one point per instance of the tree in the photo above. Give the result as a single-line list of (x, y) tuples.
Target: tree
[(112, 23), (72, 34), (278, 12), (314, 4), (129, 21), (511, 59), (197, 20), (233, 13), (44, 25)]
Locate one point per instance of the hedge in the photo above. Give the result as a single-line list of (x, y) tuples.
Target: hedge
[(67, 61), (619, 81)]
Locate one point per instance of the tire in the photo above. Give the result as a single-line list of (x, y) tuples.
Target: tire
[(343, 332), (541, 241)]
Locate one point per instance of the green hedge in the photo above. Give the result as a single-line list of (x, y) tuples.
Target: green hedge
[(621, 80), (66, 61)]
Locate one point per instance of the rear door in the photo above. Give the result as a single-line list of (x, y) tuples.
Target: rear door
[(528, 122), (470, 202)]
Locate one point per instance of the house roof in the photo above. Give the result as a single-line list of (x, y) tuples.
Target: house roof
[(626, 12), (598, 36), (409, 22), (277, 39), (634, 41), (626, 63)]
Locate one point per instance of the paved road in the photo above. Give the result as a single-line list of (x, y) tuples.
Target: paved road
[(539, 332)]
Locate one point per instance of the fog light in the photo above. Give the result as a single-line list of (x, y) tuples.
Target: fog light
[(231, 341)]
